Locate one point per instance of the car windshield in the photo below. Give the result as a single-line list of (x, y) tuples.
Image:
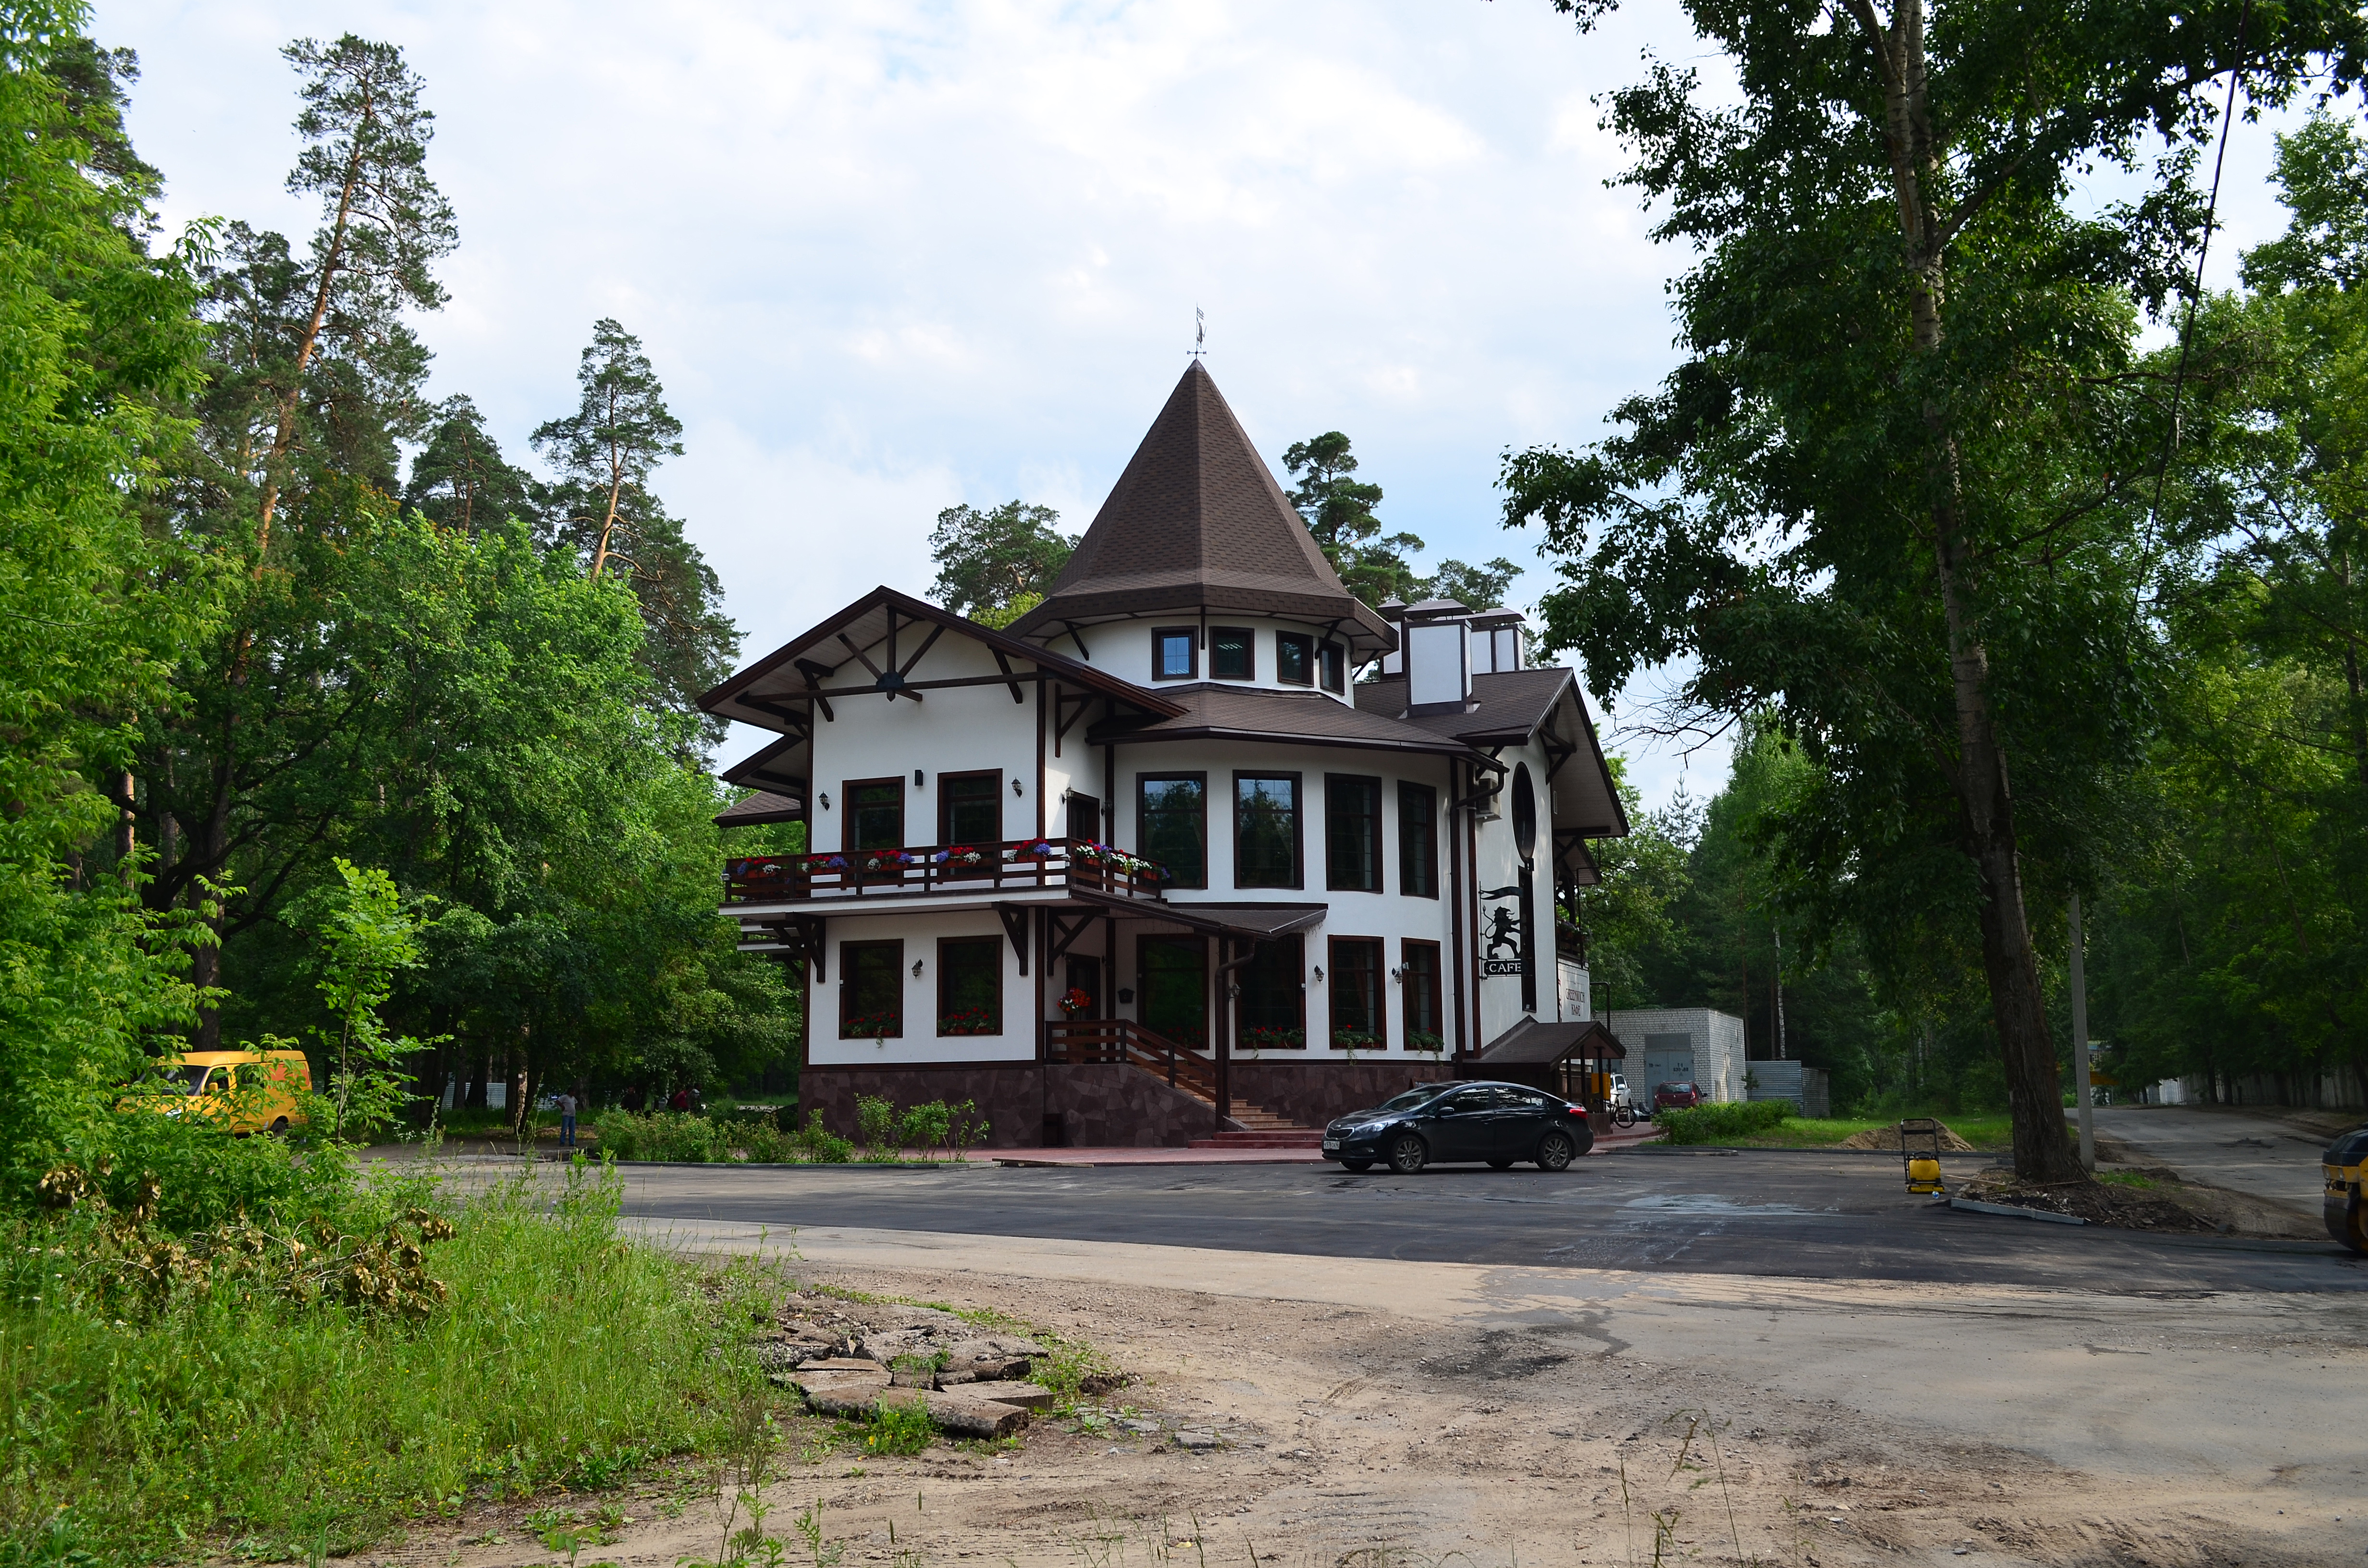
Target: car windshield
[(1414, 1097), (188, 1080)]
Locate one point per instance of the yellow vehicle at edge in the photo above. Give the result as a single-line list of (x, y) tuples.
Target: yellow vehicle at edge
[(252, 1091)]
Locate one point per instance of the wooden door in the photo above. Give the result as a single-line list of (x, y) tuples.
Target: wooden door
[(1175, 988)]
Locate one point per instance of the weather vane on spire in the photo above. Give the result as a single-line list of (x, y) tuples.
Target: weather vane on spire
[(1199, 333)]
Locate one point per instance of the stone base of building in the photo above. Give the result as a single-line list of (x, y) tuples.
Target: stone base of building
[(1312, 1093), (1029, 1105)]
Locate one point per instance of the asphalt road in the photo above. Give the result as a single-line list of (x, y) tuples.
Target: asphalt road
[(2256, 1155), (1785, 1215)]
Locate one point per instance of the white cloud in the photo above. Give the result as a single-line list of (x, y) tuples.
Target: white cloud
[(893, 257)]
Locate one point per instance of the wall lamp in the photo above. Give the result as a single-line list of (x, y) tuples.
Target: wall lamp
[(1014, 786), (825, 799), (1319, 971), (916, 778), (917, 969)]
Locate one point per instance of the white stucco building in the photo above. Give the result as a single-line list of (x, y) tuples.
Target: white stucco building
[(1154, 860)]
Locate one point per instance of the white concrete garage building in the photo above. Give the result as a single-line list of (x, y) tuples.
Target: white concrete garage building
[(1699, 1045)]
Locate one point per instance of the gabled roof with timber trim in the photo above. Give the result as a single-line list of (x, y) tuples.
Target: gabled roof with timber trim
[(1197, 521), (871, 648)]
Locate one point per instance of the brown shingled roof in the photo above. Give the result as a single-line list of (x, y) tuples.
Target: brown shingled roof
[(1250, 712), (1196, 520), (763, 806), (1509, 706)]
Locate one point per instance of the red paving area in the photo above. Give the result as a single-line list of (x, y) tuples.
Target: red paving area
[(1609, 1143)]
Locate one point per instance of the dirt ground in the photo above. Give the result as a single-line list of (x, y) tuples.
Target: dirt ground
[(1371, 1413)]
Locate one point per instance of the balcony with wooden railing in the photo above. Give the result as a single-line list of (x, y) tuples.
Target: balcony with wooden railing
[(1016, 865)]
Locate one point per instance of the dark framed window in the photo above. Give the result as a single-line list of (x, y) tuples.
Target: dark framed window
[(1425, 1014), (1335, 660), (1352, 832), (871, 990), (1085, 816), (1175, 653), (1172, 826), (1357, 1021), (970, 808), (969, 985), (1294, 658), (1232, 652), (1273, 1015), (1266, 830), (875, 812), (1417, 840)]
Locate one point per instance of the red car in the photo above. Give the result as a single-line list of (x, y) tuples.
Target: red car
[(1666, 1096)]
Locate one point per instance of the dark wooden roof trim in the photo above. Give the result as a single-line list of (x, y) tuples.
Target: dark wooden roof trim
[(792, 652)]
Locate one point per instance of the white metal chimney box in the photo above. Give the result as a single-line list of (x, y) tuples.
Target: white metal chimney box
[(1439, 664)]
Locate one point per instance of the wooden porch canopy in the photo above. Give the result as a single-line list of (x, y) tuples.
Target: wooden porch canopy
[(763, 806), (1540, 1054), (1252, 922)]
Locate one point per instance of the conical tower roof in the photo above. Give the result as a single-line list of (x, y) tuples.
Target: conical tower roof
[(1197, 522)]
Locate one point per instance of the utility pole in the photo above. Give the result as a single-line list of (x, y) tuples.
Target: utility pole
[(1779, 991), (2080, 1046)]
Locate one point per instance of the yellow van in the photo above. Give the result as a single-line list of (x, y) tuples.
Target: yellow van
[(269, 1085)]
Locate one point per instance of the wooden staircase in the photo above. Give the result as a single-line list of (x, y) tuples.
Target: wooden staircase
[(1180, 1067)]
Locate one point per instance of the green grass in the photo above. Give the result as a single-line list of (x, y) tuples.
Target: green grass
[(235, 1420), (1985, 1130)]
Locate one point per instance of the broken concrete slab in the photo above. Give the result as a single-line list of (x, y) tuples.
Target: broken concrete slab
[(1027, 1396), (986, 1358), (969, 1417), (841, 1390)]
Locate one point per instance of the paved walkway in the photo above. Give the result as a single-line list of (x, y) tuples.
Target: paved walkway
[(1609, 1143), (2253, 1154)]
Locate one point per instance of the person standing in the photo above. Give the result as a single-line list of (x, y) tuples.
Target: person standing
[(566, 1119)]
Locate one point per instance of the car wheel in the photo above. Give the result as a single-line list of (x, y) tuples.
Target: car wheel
[(1555, 1151), (1407, 1153), (1358, 1166), (1500, 1164), (280, 1125)]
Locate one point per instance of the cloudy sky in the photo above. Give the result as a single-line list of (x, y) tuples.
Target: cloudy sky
[(894, 256)]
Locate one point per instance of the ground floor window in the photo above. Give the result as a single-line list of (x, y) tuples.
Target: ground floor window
[(871, 990), (1423, 1010), (1274, 996), (1357, 994), (969, 985)]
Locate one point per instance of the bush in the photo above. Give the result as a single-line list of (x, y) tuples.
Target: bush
[(265, 1423), (821, 1145), (899, 1426), (1711, 1123), (696, 1139), (928, 1125), (673, 1136), (879, 1129)]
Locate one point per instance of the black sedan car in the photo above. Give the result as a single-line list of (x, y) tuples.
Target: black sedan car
[(1495, 1123)]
